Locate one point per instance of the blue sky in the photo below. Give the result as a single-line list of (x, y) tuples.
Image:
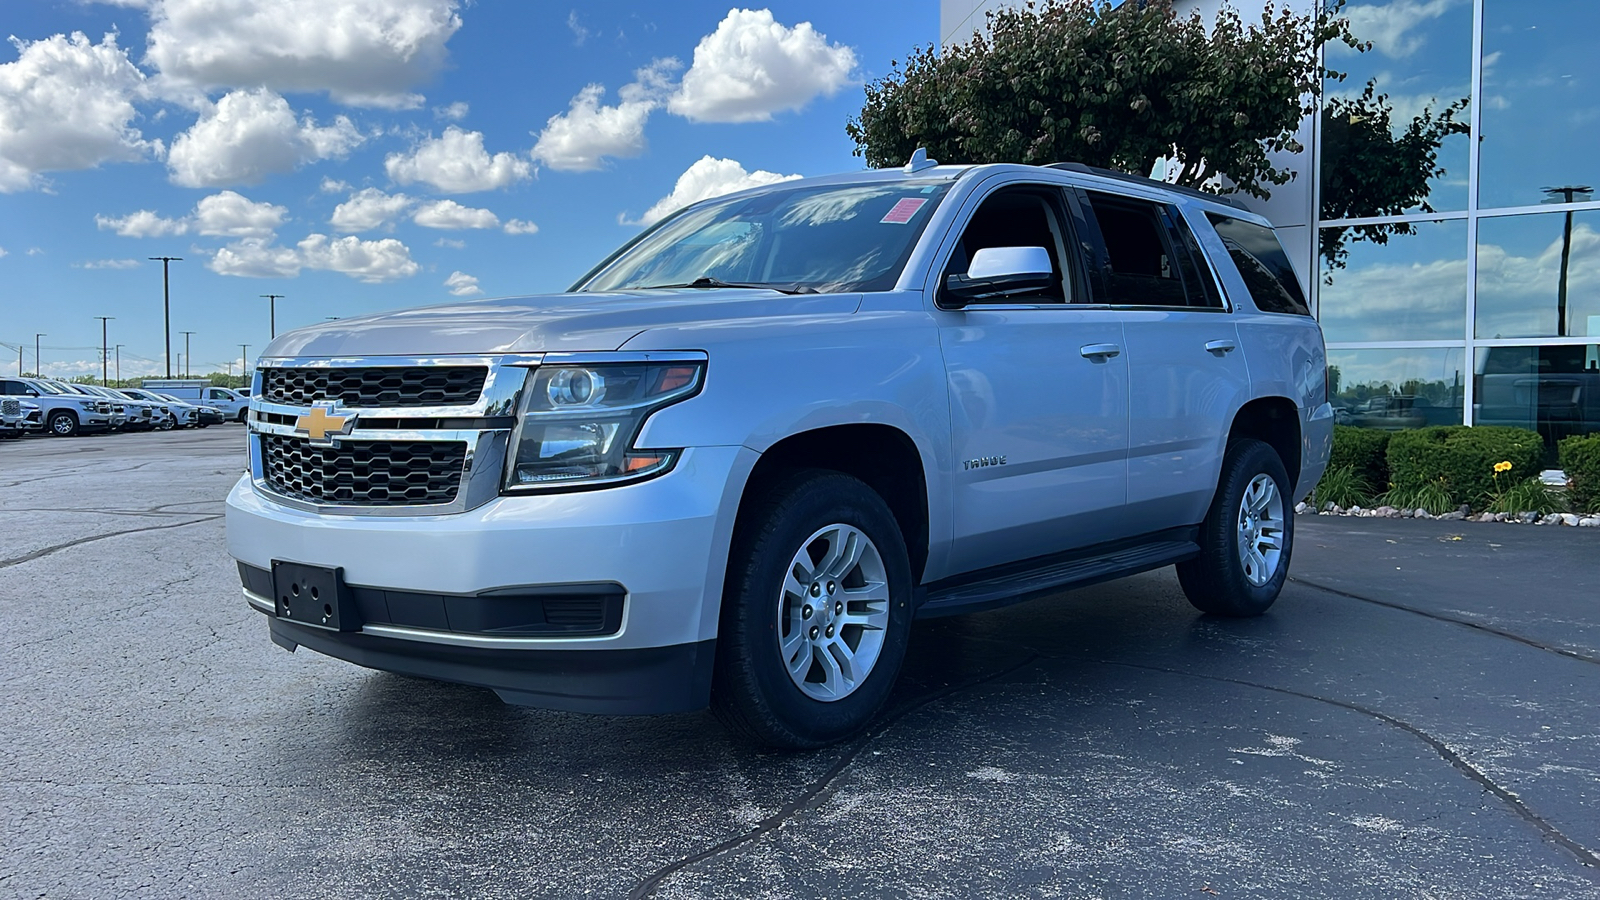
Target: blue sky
[(231, 134)]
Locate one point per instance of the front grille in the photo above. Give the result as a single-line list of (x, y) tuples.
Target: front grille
[(11, 407), (379, 386), (364, 473)]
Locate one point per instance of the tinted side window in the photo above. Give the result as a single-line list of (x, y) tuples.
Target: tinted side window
[(1019, 217), (1141, 266), (1262, 264)]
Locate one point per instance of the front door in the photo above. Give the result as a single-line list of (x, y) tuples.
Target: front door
[(1038, 395)]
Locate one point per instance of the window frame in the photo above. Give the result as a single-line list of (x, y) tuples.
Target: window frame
[(1074, 268)]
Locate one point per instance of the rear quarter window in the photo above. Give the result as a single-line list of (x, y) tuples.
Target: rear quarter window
[(1262, 264)]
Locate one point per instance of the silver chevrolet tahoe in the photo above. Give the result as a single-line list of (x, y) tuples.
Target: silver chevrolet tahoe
[(740, 456)]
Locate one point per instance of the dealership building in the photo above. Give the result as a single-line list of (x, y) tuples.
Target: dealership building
[(1483, 304)]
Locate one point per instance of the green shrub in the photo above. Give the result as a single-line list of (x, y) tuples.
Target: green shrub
[(1527, 495), (1342, 487), (1463, 459), (1580, 459), (1434, 497), (1363, 450)]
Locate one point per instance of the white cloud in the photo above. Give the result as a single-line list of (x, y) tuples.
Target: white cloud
[(363, 52), (1387, 25), (450, 243), (255, 258), (67, 104), (107, 264), (579, 33), (752, 67), (520, 226), (248, 135), (35, 251), (142, 224), (455, 112), (450, 214), (456, 162), (333, 185), (462, 285), (369, 261), (707, 178), (226, 214), (578, 139), (232, 215), (367, 209), (3, 253)]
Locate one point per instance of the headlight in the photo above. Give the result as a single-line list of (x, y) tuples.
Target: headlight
[(577, 423)]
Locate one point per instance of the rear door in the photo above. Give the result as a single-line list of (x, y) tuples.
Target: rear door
[(1187, 373), (1038, 393)]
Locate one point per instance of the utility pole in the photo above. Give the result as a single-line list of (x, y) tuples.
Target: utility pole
[(1566, 194), (105, 348), (244, 358), (272, 309), (186, 354), (19, 360), (166, 305), (119, 362), (38, 367)]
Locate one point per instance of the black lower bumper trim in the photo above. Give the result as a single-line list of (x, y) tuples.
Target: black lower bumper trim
[(641, 681)]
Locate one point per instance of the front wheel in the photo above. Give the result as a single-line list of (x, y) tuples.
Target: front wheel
[(816, 613), (1247, 537), (63, 424)]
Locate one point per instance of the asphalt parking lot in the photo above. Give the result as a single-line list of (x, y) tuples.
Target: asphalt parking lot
[(1416, 717)]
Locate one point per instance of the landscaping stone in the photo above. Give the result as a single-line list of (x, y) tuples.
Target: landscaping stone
[(1528, 518), (1589, 522), (1569, 519), (1551, 519), (1455, 516)]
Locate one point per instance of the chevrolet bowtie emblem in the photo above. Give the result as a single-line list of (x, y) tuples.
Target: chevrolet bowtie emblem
[(321, 422)]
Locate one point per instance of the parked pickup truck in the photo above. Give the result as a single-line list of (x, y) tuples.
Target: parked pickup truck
[(736, 459)]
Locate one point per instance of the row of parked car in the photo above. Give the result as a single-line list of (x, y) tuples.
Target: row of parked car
[(63, 409)]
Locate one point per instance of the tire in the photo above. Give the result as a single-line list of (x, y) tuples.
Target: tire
[(63, 423), (1251, 512), (169, 423), (794, 529), (244, 416)]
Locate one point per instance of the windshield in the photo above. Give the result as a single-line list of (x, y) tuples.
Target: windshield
[(817, 239), (45, 387)]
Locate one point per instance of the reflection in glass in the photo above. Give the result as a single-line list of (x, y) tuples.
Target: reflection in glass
[(1395, 389), (1521, 264), (1541, 100), (1421, 64), (1413, 288), (1552, 390)]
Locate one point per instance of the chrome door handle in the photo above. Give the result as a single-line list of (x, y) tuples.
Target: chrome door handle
[(1099, 351), (1220, 347)]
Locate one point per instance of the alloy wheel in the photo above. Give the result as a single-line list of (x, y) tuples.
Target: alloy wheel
[(832, 612), (1261, 530)]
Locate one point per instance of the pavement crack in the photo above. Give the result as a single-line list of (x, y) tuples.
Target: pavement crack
[(652, 882), (1581, 854), (1452, 620), (46, 551)]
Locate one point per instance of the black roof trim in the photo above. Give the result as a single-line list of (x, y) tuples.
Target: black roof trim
[(1148, 182)]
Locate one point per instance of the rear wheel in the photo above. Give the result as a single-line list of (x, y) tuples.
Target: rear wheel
[(63, 423), (244, 416), (1247, 536), (815, 615)]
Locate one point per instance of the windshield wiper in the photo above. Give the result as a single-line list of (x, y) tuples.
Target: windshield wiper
[(707, 282)]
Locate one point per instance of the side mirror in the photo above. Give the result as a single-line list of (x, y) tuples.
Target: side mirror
[(999, 272)]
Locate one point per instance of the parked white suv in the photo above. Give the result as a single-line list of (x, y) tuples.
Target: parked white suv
[(65, 411), (736, 460)]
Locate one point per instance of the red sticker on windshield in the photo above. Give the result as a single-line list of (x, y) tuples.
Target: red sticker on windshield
[(902, 212)]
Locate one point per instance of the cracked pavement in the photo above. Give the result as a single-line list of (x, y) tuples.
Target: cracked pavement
[(1415, 718)]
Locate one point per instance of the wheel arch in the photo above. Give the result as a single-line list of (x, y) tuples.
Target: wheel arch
[(1274, 421), (882, 456)]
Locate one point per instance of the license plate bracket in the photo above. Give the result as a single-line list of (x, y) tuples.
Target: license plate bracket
[(313, 595)]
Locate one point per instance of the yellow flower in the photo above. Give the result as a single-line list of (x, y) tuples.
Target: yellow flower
[(1502, 466)]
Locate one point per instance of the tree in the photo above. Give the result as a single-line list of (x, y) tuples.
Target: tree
[(1115, 87), (1368, 170)]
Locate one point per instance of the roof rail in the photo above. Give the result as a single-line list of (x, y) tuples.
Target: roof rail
[(1148, 182)]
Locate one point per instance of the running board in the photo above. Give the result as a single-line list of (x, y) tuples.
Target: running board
[(1014, 585)]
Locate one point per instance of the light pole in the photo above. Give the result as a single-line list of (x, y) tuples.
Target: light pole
[(38, 367), (1566, 194), (186, 354), (166, 305), (244, 358), (118, 348), (272, 310), (105, 348)]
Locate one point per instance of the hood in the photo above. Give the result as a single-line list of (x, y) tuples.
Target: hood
[(546, 323)]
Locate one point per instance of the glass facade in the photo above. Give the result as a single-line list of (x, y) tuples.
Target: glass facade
[(1466, 287)]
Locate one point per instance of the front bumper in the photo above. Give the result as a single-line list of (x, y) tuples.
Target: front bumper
[(664, 541)]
